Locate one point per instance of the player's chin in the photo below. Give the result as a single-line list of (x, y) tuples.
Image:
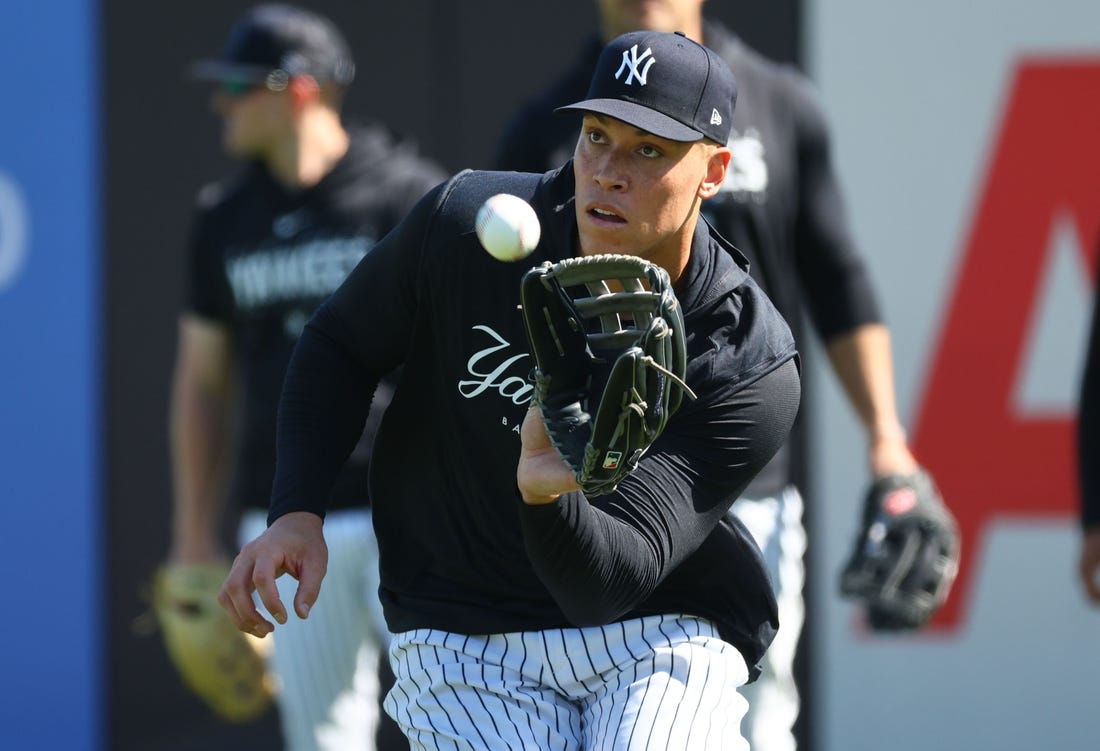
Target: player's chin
[(235, 144), (232, 145), (599, 236)]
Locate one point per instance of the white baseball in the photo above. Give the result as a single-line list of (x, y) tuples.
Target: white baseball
[(507, 227)]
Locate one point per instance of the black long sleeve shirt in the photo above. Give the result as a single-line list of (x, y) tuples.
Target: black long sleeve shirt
[(459, 550)]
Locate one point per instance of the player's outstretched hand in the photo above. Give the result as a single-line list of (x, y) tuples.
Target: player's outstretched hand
[(294, 544), (541, 475), (1088, 565)]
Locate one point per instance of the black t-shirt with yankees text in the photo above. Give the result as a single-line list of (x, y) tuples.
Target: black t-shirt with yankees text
[(263, 257), (459, 550)]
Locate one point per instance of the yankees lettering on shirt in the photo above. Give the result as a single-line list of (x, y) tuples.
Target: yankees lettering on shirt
[(310, 268), (516, 388), (489, 368)]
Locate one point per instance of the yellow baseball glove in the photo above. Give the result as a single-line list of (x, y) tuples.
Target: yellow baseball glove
[(226, 668)]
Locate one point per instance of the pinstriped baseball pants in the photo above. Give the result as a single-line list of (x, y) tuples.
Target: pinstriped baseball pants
[(327, 665), (775, 522), (659, 683)]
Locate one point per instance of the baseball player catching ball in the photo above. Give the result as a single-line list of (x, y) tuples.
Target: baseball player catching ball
[(529, 613)]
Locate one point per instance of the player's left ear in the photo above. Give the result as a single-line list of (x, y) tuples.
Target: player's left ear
[(718, 163), (303, 89)]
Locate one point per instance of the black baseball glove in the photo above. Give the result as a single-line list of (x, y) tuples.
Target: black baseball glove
[(906, 555), (609, 360)]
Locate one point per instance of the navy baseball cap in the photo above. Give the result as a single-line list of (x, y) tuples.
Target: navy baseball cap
[(665, 84), (275, 42)]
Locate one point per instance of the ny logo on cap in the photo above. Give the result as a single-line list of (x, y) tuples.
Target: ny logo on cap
[(631, 61)]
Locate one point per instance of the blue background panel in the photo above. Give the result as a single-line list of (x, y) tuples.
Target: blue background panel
[(50, 645)]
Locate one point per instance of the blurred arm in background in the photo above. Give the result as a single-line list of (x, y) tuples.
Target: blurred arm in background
[(201, 438), (1088, 462), (863, 364)]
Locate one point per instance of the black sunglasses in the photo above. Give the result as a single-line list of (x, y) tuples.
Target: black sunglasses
[(235, 88)]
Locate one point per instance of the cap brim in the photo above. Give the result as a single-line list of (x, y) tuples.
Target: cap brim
[(639, 116), (222, 70)]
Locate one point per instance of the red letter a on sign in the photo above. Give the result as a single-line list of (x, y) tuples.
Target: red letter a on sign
[(988, 459)]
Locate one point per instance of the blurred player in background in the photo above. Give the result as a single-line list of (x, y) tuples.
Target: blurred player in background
[(1088, 462), (781, 206), (268, 245)]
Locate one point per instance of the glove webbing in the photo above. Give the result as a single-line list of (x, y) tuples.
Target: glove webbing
[(607, 307)]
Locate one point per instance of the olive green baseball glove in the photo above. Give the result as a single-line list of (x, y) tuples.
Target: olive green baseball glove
[(607, 336)]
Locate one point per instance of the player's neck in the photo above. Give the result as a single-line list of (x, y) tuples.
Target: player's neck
[(675, 258), (693, 29), (310, 153)]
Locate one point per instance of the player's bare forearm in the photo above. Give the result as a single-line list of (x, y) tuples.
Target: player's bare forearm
[(863, 363), (199, 472), (200, 435)]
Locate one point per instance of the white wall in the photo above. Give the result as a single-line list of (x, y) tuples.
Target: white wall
[(917, 95)]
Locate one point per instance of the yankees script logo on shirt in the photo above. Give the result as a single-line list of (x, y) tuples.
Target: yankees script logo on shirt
[(489, 368), (497, 370), (631, 61)]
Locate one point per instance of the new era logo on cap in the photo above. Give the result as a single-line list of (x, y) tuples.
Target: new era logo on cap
[(666, 84)]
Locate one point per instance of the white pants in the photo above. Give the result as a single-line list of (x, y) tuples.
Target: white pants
[(776, 524), (327, 666), (659, 683)]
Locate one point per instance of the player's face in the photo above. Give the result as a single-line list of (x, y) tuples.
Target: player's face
[(620, 16), (640, 194), (253, 119)]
